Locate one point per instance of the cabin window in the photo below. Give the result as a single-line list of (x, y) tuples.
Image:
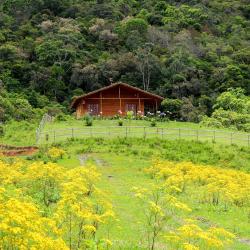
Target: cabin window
[(93, 109), (131, 107)]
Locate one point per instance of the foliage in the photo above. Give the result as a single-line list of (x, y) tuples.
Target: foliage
[(130, 115), (23, 226), (120, 123), (161, 203), (191, 236), (214, 185), (45, 206), (88, 120), (56, 153), (153, 122), (227, 156), (231, 109), (172, 107), (51, 49)]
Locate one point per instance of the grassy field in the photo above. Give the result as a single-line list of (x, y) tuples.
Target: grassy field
[(59, 131), (121, 163), (19, 133), (24, 133)]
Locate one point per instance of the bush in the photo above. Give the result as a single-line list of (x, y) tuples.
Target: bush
[(56, 153), (88, 120), (62, 117), (246, 127), (153, 123), (120, 123), (130, 115), (210, 122), (172, 107)]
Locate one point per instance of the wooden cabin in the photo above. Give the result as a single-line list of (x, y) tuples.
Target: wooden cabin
[(116, 99)]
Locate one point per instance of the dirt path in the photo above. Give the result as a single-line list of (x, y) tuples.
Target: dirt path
[(13, 151), (118, 175)]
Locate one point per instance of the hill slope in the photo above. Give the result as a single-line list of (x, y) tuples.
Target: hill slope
[(184, 49)]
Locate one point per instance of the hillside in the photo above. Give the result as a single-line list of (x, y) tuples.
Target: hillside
[(52, 50)]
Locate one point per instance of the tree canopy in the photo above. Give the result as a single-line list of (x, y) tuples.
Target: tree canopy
[(189, 50)]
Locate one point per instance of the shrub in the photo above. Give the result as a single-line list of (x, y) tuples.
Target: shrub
[(130, 115), (210, 122), (88, 120), (120, 123), (56, 153), (153, 123), (61, 117), (172, 107)]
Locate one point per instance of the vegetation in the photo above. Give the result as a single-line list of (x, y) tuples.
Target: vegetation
[(44, 207), (232, 109), (132, 192), (191, 195), (189, 52)]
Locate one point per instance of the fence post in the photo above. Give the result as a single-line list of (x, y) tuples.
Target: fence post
[(179, 133), (54, 136), (72, 134), (162, 133), (197, 135), (214, 135), (248, 140), (144, 133), (126, 131), (231, 139), (37, 136), (46, 137)]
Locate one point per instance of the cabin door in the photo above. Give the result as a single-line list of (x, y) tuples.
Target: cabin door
[(131, 107)]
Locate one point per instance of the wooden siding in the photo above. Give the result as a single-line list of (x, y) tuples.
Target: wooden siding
[(112, 101)]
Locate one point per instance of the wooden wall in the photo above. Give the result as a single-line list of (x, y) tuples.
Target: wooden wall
[(113, 100)]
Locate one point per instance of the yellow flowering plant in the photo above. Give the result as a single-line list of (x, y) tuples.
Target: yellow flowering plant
[(191, 236), (55, 153), (23, 227), (209, 184), (216, 185), (160, 206), (82, 208), (45, 206)]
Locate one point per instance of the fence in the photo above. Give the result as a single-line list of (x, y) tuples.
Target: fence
[(46, 118), (58, 135)]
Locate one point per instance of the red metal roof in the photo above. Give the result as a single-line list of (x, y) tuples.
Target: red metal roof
[(111, 86)]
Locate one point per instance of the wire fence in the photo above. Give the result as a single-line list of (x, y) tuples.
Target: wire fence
[(58, 135), (45, 119)]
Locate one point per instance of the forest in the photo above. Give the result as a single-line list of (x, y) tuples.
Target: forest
[(174, 179), (189, 52)]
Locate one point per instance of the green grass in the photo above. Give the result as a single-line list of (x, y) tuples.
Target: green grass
[(19, 133), (24, 133), (109, 122), (122, 164), (226, 156), (59, 131)]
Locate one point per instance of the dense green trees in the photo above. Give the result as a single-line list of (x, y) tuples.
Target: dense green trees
[(231, 109), (189, 50)]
